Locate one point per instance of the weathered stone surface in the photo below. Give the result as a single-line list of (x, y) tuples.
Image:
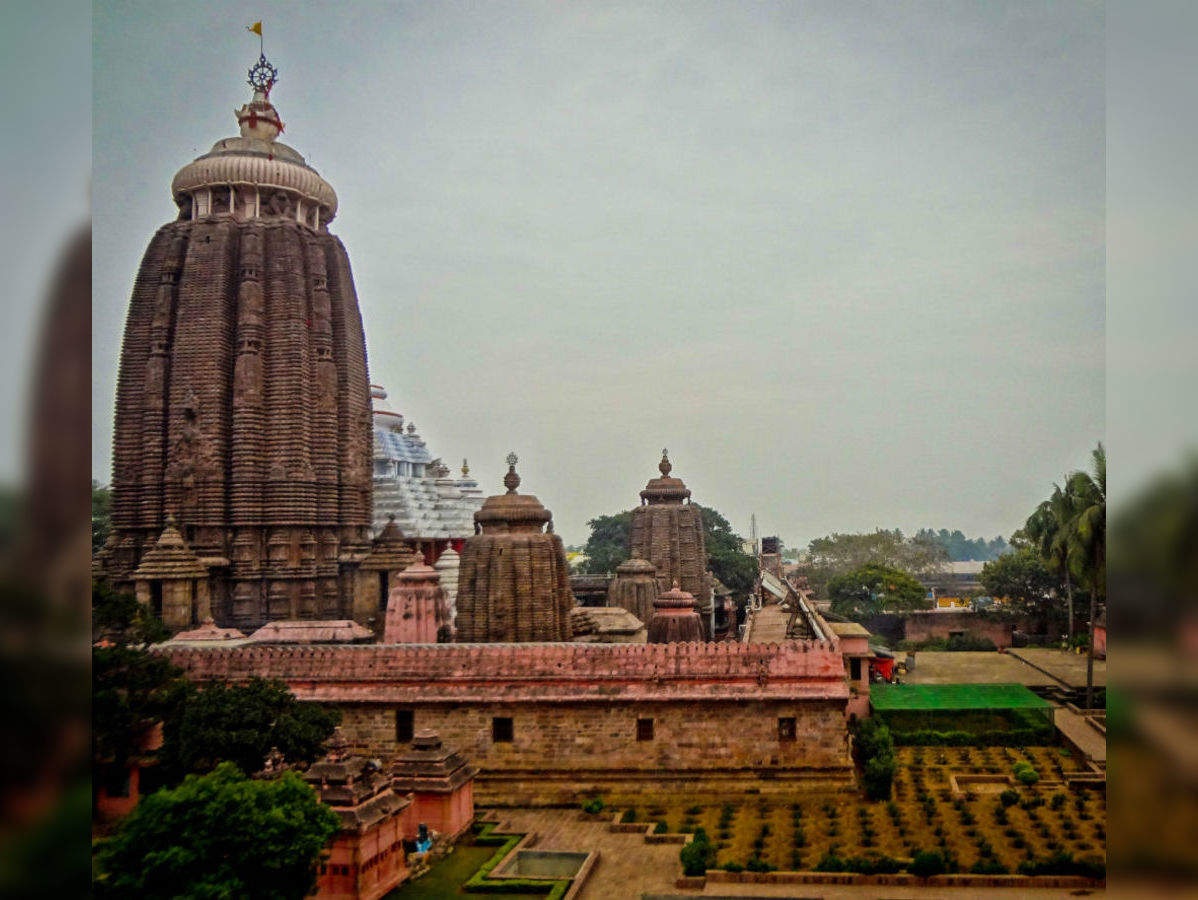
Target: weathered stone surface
[(668, 532), (635, 588), (243, 404), (675, 618), (514, 581), (574, 708)]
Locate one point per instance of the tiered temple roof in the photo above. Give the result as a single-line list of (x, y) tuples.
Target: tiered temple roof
[(514, 581), (413, 487)]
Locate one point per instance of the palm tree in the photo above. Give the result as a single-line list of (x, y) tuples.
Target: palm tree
[(1048, 528), (1087, 543)]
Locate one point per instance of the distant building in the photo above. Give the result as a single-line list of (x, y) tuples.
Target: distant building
[(432, 509)]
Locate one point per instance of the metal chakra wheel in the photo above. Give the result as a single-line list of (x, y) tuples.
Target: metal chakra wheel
[(263, 75)]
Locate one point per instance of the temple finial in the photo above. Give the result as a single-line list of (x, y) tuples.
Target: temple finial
[(511, 480), (465, 468), (664, 466)]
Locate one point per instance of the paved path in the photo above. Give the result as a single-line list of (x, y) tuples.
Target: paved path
[(627, 867), (768, 625), (1091, 742), (1065, 667)]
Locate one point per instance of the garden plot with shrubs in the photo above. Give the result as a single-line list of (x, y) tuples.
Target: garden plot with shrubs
[(930, 810)]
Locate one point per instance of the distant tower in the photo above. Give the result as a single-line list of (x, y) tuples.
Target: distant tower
[(514, 581), (243, 404), (667, 530), (634, 588)]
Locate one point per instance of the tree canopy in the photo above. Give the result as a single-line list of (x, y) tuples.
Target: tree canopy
[(219, 835), (240, 723), (1022, 577), (608, 544), (873, 589), (840, 554), (959, 547)]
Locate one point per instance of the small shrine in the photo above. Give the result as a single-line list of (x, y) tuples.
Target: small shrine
[(675, 619), (441, 782), (514, 581), (366, 857)]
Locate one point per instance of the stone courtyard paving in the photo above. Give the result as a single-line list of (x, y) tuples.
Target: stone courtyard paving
[(1063, 665), (627, 866), (981, 667)]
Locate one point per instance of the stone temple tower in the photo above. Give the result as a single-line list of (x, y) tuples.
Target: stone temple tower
[(514, 581), (667, 530), (243, 403)]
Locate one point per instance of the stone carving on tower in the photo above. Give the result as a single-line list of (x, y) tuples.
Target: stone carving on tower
[(667, 531), (243, 403), (513, 581)]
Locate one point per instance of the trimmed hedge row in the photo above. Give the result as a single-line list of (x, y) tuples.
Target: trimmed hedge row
[(1019, 737), (481, 882)]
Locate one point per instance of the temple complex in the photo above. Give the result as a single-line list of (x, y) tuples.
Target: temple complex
[(243, 404), (514, 581), (433, 509), (667, 531)]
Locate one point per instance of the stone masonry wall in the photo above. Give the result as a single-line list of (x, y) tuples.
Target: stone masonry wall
[(923, 626)]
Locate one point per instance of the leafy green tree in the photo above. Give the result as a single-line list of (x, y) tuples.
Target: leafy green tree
[(240, 723), (132, 689), (959, 547), (873, 589), (101, 514), (1023, 578), (840, 554), (219, 835), (608, 544), (725, 556)]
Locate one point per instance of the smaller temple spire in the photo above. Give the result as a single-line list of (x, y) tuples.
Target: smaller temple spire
[(664, 466), (511, 480)]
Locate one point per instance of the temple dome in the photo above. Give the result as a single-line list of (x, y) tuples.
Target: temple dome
[(256, 160)]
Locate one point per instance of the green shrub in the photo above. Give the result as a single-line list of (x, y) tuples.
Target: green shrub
[(698, 855), (1025, 774), (593, 806), (1063, 863), (629, 815), (988, 867), (830, 862), (927, 863), (873, 865), (1009, 797), (732, 866), (694, 810), (757, 864), (661, 827)]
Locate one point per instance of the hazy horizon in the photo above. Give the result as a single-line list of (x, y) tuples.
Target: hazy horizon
[(846, 263)]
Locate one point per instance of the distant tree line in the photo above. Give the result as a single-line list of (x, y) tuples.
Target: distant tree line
[(960, 548)]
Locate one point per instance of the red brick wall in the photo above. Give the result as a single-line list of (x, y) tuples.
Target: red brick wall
[(923, 626)]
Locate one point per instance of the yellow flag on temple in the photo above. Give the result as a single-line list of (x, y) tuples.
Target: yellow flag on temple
[(256, 28)]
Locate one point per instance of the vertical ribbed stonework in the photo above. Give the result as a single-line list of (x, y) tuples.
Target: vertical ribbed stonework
[(667, 530), (514, 581), (243, 405)]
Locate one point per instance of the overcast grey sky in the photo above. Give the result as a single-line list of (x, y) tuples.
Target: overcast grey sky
[(845, 261)]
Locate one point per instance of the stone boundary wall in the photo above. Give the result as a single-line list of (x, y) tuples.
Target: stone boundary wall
[(931, 624), (546, 723), (1072, 882), (374, 673)]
